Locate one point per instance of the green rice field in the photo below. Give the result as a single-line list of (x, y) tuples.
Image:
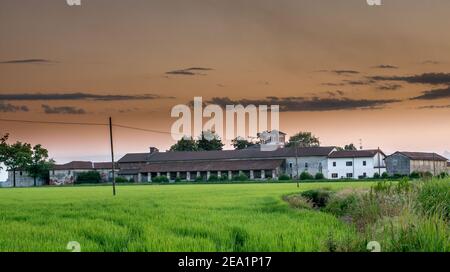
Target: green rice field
[(166, 218)]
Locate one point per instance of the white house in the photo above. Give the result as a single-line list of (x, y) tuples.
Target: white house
[(355, 164)]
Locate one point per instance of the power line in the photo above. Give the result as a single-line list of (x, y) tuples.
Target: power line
[(83, 124), (52, 122)]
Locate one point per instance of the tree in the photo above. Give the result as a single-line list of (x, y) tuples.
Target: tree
[(3, 147), (349, 147), (303, 139), (241, 143), (209, 141), (16, 156), (185, 144), (40, 164)]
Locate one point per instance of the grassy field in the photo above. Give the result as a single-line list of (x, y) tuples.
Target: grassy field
[(226, 217)]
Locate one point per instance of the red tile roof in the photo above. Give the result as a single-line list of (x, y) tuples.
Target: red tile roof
[(354, 153), (212, 166), (83, 165), (422, 156), (225, 154)]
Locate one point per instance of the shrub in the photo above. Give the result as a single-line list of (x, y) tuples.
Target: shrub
[(385, 175), (240, 177), (199, 178), (284, 177), (305, 175), (443, 175), (319, 176), (177, 179), (224, 177), (397, 176), (88, 177), (121, 180), (341, 205), (415, 175), (161, 179), (213, 178), (318, 197), (377, 175)]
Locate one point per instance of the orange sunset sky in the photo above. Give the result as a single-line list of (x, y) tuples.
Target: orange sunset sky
[(341, 69)]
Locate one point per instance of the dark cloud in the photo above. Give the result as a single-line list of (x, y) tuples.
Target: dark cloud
[(389, 87), (7, 107), (192, 71), (359, 82), (77, 96), (306, 104), (385, 66), (427, 78), (27, 61), (435, 107), (331, 84), (62, 110), (434, 94), (345, 72)]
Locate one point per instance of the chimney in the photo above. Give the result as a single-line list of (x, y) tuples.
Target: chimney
[(153, 150)]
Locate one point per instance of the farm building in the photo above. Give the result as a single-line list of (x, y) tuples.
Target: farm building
[(67, 173), (22, 180), (448, 167), (355, 164), (253, 162), (405, 163)]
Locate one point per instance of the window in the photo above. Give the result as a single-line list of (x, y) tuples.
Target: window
[(306, 165), (68, 172), (20, 173), (334, 164), (334, 175), (349, 163), (290, 165), (364, 174), (349, 175), (364, 163)]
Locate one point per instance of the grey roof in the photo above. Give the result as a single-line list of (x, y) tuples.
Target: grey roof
[(355, 153), (212, 166), (226, 154), (424, 156)]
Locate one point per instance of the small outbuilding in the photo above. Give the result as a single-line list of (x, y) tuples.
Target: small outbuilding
[(405, 163)]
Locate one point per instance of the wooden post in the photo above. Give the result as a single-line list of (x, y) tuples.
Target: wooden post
[(112, 157)]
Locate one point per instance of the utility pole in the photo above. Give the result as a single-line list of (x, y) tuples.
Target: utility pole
[(112, 157), (296, 162), (379, 161), (434, 165)]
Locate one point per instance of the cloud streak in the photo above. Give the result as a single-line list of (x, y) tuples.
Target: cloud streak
[(192, 71), (76, 96), (7, 107), (434, 94), (385, 66), (426, 78), (299, 104), (27, 61), (62, 110)]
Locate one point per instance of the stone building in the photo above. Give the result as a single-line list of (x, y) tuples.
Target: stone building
[(405, 163), (67, 173), (252, 162)]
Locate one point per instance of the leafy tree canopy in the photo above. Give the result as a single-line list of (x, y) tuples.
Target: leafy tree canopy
[(303, 139)]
